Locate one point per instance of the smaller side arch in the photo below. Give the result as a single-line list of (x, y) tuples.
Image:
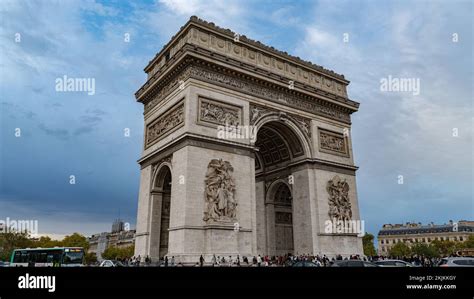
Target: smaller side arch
[(273, 187), (159, 176), (279, 218), (160, 210)]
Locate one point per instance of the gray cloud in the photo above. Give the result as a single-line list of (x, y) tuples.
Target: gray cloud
[(62, 134)]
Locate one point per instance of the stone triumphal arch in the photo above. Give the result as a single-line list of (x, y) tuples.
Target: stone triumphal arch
[(247, 151)]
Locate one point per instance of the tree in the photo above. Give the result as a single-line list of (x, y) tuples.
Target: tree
[(115, 253), (110, 253), (446, 247), (469, 243), (400, 250), (46, 242), (422, 249), (12, 239), (75, 240), (368, 244)]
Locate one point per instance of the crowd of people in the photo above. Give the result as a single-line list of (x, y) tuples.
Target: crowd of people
[(270, 261)]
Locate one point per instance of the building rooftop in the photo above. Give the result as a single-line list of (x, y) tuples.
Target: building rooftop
[(418, 228)]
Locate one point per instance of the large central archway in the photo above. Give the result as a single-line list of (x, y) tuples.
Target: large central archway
[(280, 144)]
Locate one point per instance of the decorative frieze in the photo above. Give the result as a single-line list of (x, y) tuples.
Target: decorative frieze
[(218, 113), (252, 87), (333, 143), (165, 124), (272, 94), (173, 84)]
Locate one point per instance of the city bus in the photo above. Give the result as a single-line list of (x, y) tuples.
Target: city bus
[(48, 257)]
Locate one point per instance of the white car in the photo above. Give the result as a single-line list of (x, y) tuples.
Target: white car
[(456, 262), (111, 263), (393, 263)]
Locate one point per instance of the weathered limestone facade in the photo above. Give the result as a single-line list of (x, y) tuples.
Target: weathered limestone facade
[(270, 190)]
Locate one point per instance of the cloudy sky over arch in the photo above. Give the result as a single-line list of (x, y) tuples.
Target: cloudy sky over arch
[(64, 134)]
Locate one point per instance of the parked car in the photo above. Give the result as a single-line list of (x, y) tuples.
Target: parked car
[(304, 264), (111, 263), (4, 264), (456, 262), (393, 263), (352, 263)]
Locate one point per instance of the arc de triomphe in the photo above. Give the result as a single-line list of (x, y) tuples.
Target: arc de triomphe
[(247, 151)]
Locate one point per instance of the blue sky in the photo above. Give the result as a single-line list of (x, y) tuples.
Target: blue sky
[(72, 133)]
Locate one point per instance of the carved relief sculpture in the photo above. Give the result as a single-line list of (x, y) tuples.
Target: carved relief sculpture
[(219, 192), (211, 76), (332, 142), (165, 124), (339, 203), (268, 93), (220, 114), (304, 124), (257, 112)]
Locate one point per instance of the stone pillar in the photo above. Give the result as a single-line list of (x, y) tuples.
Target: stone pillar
[(270, 224), (155, 224), (332, 243), (260, 219), (302, 197), (142, 236), (190, 235)]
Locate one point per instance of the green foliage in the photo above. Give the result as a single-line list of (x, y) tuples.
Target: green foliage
[(445, 247), (437, 248), (469, 243), (11, 240), (422, 249), (75, 240), (46, 242), (400, 250), (115, 253), (368, 244)]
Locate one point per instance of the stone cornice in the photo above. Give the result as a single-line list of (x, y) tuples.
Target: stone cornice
[(190, 66), (229, 35), (319, 90), (197, 140), (312, 163), (190, 139)]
